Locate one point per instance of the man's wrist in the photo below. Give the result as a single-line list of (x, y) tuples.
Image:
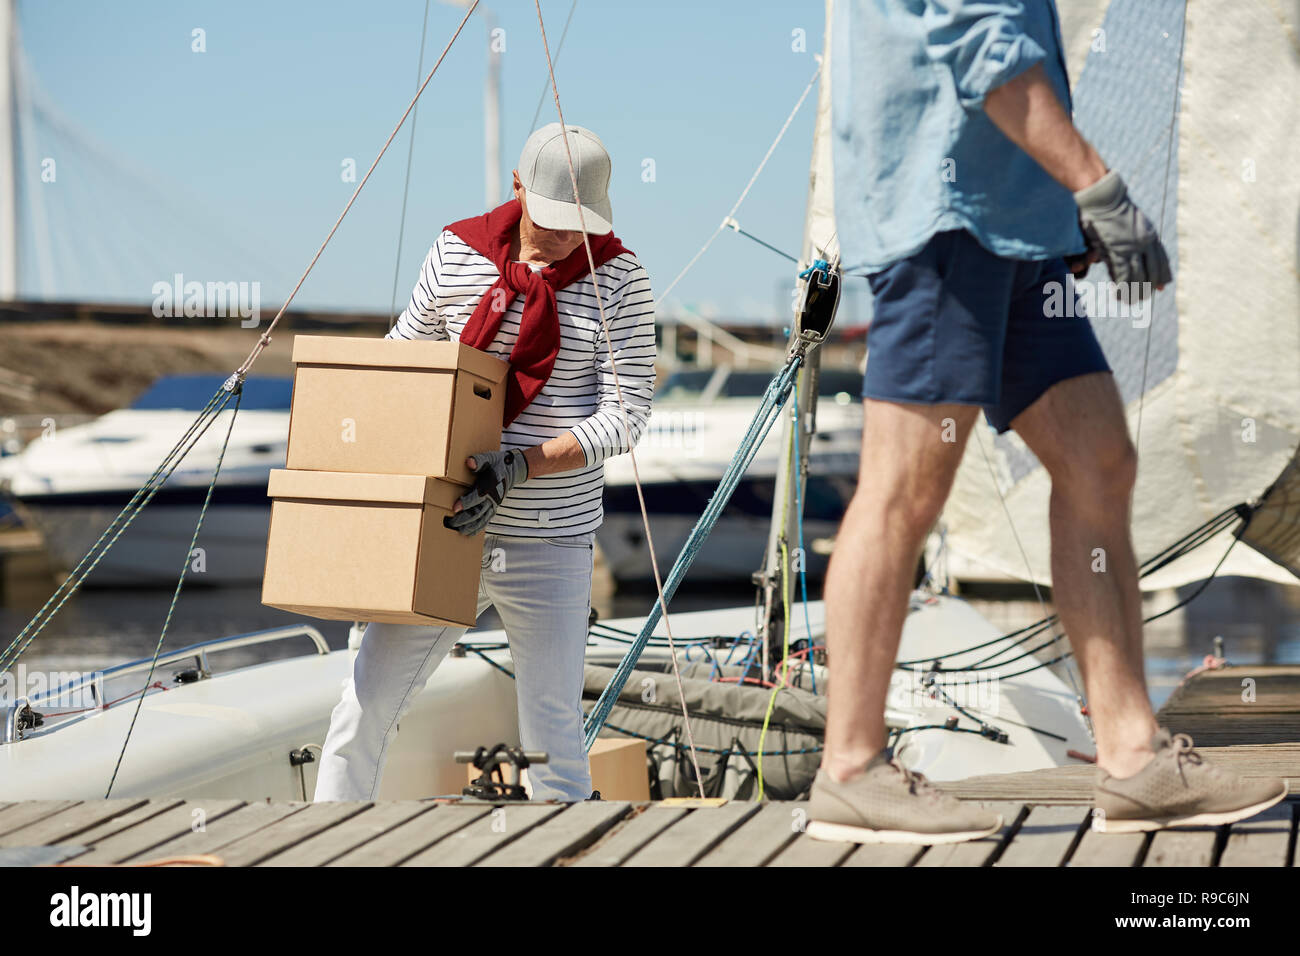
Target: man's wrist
[(1087, 172)]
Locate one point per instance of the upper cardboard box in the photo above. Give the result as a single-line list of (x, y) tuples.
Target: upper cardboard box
[(388, 406)]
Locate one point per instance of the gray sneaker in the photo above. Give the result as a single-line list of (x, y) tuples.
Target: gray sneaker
[(1178, 788), (888, 803)]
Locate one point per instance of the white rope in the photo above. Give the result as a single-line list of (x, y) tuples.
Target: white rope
[(618, 392), (406, 185), (559, 48), (729, 218), (265, 339), (1029, 570)]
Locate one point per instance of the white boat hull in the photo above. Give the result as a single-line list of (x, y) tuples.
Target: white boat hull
[(231, 736)]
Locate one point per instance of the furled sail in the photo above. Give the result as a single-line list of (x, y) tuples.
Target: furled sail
[(820, 239), (1210, 370)]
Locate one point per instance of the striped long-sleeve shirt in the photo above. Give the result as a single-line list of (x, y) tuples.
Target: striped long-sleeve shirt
[(579, 397)]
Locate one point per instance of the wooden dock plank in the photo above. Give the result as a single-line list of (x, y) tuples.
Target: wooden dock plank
[(152, 832), (692, 837), (1263, 840), (1182, 847), (224, 830), (500, 826), (976, 852), (320, 848), (761, 837), (65, 824), (629, 836), (579, 826), (125, 821), (1045, 837), (293, 829), (805, 851), (1108, 849), (415, 835), (19, 815)]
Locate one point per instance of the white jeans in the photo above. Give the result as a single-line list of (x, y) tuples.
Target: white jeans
[(541, 589)]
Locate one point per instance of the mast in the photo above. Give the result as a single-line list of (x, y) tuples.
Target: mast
[(8, 144), (819, 242)]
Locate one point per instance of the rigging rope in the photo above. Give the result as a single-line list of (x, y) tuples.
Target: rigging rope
[(618, 393), (768, 411), (237, 387), (546, 87), (730, 216), (406, 185), (1164, 200), (119, 524), (1042, 604), (735, 227), (265, 339)]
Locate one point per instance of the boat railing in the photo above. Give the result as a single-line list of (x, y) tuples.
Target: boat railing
[(198, 653)]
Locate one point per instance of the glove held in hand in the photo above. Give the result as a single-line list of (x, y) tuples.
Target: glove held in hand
[(495, 473)]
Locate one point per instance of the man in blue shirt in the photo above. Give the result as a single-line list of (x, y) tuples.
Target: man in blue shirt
[(966, 195)]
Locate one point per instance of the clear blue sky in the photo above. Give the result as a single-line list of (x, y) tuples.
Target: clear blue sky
[(234, 155)]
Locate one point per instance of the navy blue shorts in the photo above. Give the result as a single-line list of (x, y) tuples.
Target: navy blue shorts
[(956, 324)]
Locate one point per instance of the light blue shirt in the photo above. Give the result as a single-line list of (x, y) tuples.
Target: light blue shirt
[(914, 152)]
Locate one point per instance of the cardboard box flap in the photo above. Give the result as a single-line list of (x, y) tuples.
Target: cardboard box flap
[(396, 353), (354, 486)]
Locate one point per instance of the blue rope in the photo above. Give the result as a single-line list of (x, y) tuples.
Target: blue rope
[(819, 265), (778, 390)]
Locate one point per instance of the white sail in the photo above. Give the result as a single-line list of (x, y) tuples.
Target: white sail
[(820, 240), (1081, 32), (1215, 378)]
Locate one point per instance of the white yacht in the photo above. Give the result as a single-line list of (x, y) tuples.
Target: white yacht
[(70, 484), (698, 419)]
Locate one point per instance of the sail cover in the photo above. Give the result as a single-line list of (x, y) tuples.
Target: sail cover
[(1211, 368), (820, 239)]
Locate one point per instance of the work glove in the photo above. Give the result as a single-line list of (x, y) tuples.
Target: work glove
[(495, 473), (1120, 235)]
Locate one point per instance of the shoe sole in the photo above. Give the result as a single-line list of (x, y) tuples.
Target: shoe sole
[(844, 833), (1107, 825)]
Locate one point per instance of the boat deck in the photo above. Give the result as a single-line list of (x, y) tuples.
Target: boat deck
[(1246, 717)]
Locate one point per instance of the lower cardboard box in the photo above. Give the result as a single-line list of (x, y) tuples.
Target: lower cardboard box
[(345, 546)]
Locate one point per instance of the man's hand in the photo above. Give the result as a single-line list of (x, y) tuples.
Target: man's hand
[(495, 473), (1080, 264), (1120, 235)]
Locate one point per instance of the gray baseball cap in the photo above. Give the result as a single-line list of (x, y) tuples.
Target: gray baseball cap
[(544, 174)]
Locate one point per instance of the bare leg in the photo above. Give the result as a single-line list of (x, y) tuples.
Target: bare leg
[(1077, 430), (910, 454)]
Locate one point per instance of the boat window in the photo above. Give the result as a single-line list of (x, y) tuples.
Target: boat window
[(746, 384), (684, 385), (844, 385), (841, 384), (192, 393)]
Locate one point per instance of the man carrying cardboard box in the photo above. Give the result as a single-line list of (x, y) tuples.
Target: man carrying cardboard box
[(516, 284)]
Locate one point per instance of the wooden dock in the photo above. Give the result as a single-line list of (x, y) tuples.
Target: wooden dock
[(1253, 726)]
